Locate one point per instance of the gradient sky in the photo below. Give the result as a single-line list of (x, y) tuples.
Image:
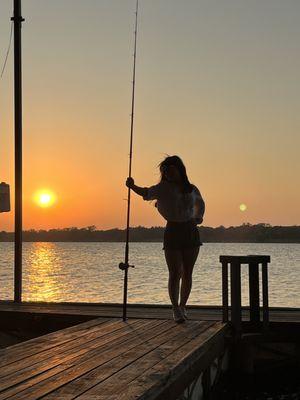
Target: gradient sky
[(217, 83)]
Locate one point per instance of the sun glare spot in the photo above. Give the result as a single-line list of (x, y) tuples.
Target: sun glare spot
[(45, 198), (243, 207)]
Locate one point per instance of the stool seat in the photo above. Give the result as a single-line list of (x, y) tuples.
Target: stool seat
[(245, 259)]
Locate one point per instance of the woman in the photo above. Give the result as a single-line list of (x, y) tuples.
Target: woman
[(181, 204)]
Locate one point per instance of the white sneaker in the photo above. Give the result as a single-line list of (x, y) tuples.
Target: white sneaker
[(184, 312), (178, 315)]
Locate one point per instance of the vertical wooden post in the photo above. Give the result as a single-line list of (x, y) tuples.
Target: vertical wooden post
[(265, 295), (17, 19), (254, 294), (225, 290), (236, 300)]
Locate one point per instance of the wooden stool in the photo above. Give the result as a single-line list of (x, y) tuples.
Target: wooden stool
[(235, 263)]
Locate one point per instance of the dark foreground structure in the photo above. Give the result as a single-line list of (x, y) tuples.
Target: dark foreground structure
[(86, 351)]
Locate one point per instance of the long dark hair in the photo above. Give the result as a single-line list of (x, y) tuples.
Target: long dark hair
[(178, 163)]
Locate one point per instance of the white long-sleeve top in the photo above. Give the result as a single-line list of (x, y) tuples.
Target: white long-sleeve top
[(174, 205)]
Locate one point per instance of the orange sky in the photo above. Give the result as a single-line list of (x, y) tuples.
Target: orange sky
[(219, 86)]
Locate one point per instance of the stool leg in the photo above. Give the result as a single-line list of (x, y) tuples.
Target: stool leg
[(225, 291), (254, 294), (236, 311), (265, 296)]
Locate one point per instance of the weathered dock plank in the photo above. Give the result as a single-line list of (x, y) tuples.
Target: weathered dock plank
[(60, 361), (106, 359), (108, 310), (81, 343), (154, 374), (18, 351), (183, 365), (168, 341)]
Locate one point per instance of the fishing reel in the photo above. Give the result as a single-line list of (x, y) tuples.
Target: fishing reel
[(124, 266)]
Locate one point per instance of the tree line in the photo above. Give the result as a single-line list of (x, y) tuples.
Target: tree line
[(259, 233)]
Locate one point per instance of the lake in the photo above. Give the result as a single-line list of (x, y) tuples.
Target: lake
[(88, 272)]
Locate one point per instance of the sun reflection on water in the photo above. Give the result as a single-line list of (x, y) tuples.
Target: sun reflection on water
[(43, 270)]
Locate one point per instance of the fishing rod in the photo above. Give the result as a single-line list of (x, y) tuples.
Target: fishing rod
[(125, 265)]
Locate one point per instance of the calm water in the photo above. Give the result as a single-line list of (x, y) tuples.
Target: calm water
[(89, 272)]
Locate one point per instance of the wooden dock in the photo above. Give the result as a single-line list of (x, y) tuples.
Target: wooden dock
[(94, 310), (92, 354), (106, 358)]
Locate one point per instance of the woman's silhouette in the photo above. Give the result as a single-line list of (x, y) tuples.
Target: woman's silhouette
[(182, 205)]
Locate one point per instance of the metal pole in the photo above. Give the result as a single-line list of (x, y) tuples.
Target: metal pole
[(124, 266), (17, 19)]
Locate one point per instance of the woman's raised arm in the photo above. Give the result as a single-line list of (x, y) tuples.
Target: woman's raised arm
[(141, 191)]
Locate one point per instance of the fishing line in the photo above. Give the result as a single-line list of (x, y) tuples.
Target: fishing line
[(8, 49)]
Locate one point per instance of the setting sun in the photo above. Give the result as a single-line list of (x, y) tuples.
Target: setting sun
[(44, 198)]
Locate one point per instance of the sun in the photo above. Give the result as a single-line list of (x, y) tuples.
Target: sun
[(243, 207), (44, 198)]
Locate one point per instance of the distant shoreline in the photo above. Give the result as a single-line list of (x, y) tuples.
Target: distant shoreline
[(246, 233), (148, 241)]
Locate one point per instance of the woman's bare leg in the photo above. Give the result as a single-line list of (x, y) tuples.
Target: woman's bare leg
[(189, 256), (174, 262)]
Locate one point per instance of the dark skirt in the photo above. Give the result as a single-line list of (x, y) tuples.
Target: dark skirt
[(181, 235)]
